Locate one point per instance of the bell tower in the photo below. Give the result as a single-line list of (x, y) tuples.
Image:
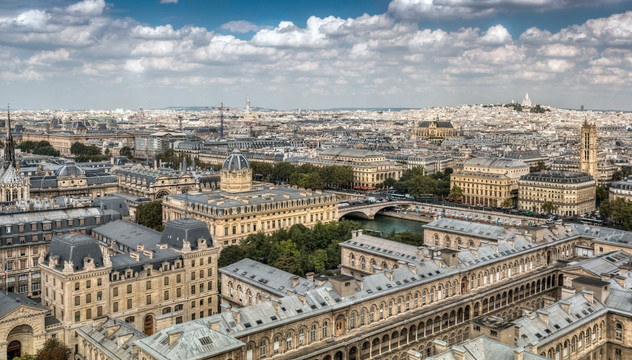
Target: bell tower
[(588, 150), (9, 149)]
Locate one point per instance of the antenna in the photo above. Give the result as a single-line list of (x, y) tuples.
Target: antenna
[(221, 120), (186, 204)]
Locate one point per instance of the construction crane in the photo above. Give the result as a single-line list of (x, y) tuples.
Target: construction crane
[(221, 109)]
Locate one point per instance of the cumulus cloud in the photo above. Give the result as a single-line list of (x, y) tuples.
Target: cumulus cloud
[(450, 9), (240, 26), (168, 1), (369, 57)]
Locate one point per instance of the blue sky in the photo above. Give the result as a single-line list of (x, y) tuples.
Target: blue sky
[(315, 54)]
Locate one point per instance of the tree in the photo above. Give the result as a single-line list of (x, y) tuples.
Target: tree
[(407, 237), (604, 209), (230, 255), (150, 215), (539, 167), (127, 152), (54, 350), (507, 203), (319, 259), (423, 185), (456, 193), (601, 194), (389, 183), (548, 207), (282, 171)]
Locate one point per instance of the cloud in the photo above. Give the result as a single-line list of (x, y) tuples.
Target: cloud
[(452, 9), (168, 1), (240, 26), (364, 60)]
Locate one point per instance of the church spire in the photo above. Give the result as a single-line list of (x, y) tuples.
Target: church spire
[(9, 150)]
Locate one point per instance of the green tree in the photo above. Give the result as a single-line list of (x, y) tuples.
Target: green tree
[(456, 193), (423, 185), (282, 171), (539, 167), (604, 209), (407, 237), (507, 203), (319, 260), (411, 173), (54, 350), (150, 215), (548, 207), (230, 255), (127, 152), (621, 174), (601, 194), (389, 183)]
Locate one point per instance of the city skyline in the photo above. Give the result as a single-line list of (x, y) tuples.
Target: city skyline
[(286, 55)]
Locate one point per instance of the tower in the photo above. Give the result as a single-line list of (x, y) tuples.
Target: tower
[(526, 102), (236, 175), (9, 149), (588, 149)]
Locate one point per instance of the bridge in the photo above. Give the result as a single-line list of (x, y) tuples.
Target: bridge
[(368, 211), (417, 210)]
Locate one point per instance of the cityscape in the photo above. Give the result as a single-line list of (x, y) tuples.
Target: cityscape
[(400, 180)]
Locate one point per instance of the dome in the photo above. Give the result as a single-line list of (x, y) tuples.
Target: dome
[(235, 162), (68, 169)]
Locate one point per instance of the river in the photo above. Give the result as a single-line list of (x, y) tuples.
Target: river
[(386, 224)]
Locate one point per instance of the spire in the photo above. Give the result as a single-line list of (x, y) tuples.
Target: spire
[(9, 150)]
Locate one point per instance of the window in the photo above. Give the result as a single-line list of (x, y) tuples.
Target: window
[(115, 291), (312, 333), (324, 329), (129, 303), (178, 278), (166, 295), (618, 331), (76, 286), (88, 284), (288, 341), (129, 289), (192, 289), (77, 316), (192, 276), (88, 298), (99, 282), (262, 349), (178, 292), (148, 299), (77, 300), (115, 307), (166, 280), (148, 285), (129, 319), (276, 345), (88, 314)]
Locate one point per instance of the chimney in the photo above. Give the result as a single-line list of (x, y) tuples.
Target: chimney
[(510, 242), (214, 325), (420, 252), (620, 280), (494, 246), (588, 295), (459, 352), (354, 234), (290, 292), (276, 303), (413, 268), (605, 277), (566, 306), (440, 346), (518, 354), (438, 261), (474, 251), (567, 292), (134, 255), (236, 315), (174, 336), (533, 347), (359, 232), (389, 274), (310, 276), (359, 282), (321, 280), (140, 247), (528, 237), (302, 298), (543, 315), (294, 280), (517, 331)]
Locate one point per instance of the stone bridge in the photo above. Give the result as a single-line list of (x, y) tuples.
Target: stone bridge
[(368, 211)]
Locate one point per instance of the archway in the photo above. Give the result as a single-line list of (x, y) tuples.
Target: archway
[(464, 285), (340, 325), (338, 356), (353, 353), (148, 325), (20, 341), (161, 194), (548, 257), (14, 349)]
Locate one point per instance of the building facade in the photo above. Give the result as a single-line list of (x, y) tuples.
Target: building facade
[(148, 279), (489, 181), (621, 189), (570, 193), (588, 150), (434, 129)]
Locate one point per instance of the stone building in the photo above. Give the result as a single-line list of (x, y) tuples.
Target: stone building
[(154, 184), (13, 186), (25, 234), (588, 150), (71, 180), (235, 214), (621, 189), (489, 181), (249, 282), (434, 129), (63, 140), (150, 280), (571, 193)]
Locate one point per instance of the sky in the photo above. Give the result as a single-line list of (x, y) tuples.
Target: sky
[(290, 54)]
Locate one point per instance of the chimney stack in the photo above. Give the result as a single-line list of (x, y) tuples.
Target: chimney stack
[(588, 295), (294, 280), (519, 354), (359, 282), (310, 276)]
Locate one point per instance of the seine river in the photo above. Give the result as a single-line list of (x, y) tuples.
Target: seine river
[(386, 224)]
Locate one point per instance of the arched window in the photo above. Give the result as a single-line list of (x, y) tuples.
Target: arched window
[(312, 333), (352, 320), (352, 260), (276, 344), (301, 337), (618, 331), (262, 348), (362, 263), (288, 341), (324, 329)]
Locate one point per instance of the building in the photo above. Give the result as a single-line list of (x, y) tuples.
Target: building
[(149, 279), (13, 186), (526, 102), (570, 193), (370, 168), (25, 234), (621, 189), (248, 282), (434, 129), (588, 150), (489, 181), (149, 146), (72, 180), (154, 184), (238, 210), (63, 140)]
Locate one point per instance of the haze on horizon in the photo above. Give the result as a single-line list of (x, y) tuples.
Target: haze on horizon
[(285, 54)]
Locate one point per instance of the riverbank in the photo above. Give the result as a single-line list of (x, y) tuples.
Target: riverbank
[(386, 224), (413, 217)]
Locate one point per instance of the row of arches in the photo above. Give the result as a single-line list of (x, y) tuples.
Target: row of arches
[(582, 340)]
